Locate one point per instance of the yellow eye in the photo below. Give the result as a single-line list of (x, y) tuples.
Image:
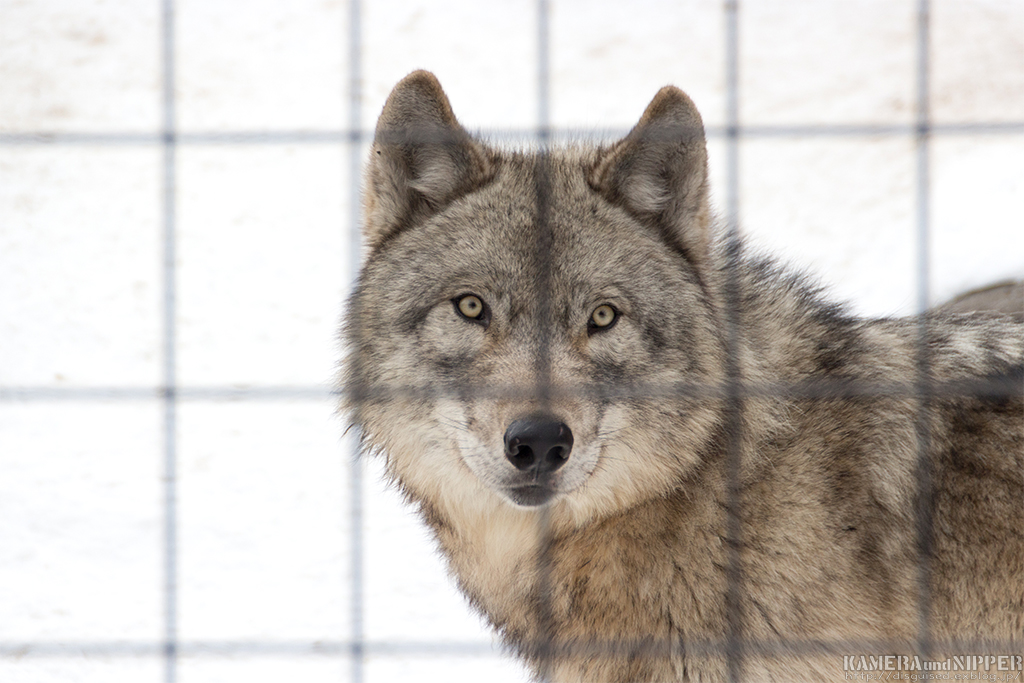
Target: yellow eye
[(470, 306), (603, 316)]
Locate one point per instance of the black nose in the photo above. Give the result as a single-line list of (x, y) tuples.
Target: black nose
[(538, 444)]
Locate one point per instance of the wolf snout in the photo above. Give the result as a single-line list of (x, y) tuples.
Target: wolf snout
[(538, 444)]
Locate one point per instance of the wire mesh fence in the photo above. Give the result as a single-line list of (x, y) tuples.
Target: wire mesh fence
[(171, 393)]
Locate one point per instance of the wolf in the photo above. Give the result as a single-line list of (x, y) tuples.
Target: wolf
[(648, 454)]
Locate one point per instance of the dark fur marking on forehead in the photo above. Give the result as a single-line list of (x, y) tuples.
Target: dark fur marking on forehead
[(692, 274), (665, 238), (413, 221)]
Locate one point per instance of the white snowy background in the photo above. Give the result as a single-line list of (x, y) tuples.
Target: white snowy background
[(263, 561)]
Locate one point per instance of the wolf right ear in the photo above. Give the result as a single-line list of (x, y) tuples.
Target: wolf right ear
[(659, 172), (421, 158)]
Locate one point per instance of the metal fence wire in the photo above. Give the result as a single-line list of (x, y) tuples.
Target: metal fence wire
[(735, 647)]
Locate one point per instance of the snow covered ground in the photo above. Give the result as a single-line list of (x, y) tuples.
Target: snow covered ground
[(262, 203)]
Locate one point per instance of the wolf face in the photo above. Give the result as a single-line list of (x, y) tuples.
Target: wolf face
[(522, 314)]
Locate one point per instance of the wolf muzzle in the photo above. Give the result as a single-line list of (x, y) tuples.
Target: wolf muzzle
[(538, 445)]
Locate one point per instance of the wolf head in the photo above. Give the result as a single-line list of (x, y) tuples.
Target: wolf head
[(521, 316)]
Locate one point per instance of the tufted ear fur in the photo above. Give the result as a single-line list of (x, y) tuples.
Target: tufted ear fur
[(421, 159), (659, 172)]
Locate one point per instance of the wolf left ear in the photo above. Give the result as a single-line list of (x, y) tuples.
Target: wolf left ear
[(421, 159), (659, 172)]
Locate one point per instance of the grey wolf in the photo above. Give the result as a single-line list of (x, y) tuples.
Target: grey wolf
[(648, 455)]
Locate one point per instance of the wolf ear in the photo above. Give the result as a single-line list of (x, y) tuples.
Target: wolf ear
[(421, 158), (659, 172)]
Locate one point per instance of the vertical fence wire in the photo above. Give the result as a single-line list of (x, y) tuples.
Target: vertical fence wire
[(542, 195), (356, 507), (734, 401), (924, 375), (543, 71), (170, 423)]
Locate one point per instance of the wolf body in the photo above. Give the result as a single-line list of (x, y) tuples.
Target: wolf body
[(648, 456)]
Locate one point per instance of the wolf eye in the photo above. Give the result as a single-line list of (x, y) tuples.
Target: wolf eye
[(603, 317), (471, 307)]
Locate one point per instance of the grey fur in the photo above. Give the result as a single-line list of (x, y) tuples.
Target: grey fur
[(623, 575), (1004, 298)]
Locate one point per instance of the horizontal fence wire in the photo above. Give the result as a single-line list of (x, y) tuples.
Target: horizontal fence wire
[(180, 393), (770, 649), (995, 386), (734, 391), (554, 134)]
